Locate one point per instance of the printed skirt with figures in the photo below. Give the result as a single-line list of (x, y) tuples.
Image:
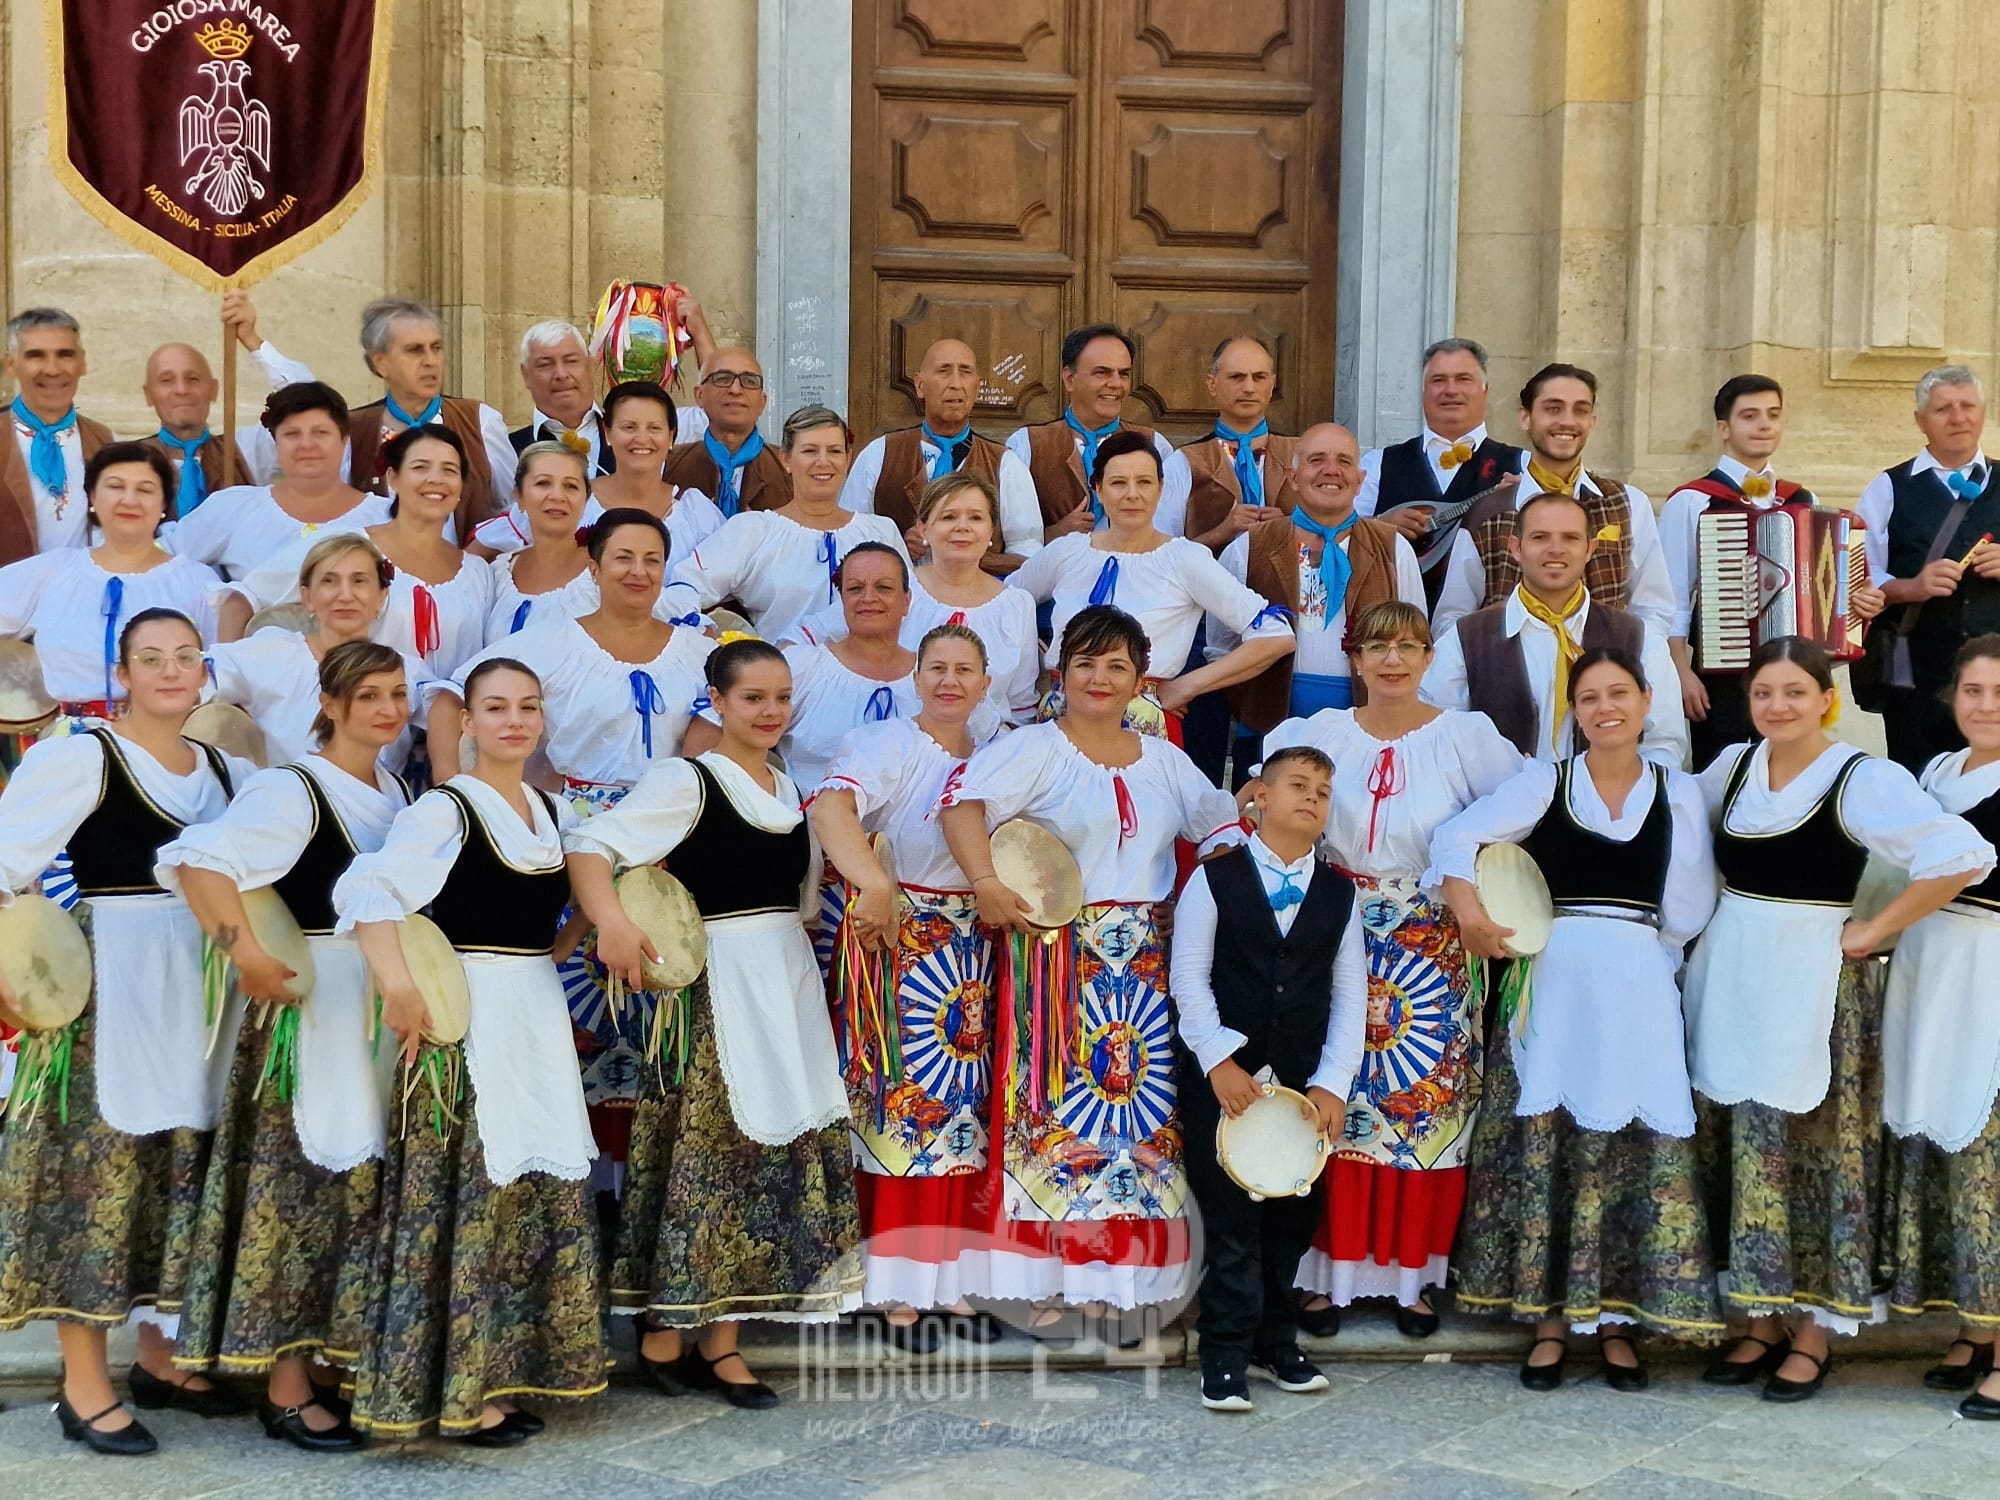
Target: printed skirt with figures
[(1095, 1197), (920, 1115), (1397, 1183), (1802, 1225), (477, 1292), (93, 1222)]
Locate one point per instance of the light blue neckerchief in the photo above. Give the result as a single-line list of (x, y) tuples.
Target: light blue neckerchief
[(1249, 478)]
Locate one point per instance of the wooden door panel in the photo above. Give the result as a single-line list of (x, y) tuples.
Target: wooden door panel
[(980, 33), (1240, 36), (1177, 330), (1015, 328), (960, 169), (1205, 183)]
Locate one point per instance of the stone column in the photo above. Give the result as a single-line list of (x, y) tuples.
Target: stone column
[(1399, 142), (805, 66)]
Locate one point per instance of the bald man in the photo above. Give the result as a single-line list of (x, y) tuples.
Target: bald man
[(1241, 473), (729, 462), (1283, 559), (889, 475), (181, 388)]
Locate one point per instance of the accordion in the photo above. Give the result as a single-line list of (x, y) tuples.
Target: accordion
[(1788, 570)]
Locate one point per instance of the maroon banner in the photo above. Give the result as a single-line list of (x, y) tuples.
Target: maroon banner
[(223, 136)]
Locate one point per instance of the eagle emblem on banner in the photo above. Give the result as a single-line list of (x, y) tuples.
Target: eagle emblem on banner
[(228, 131)]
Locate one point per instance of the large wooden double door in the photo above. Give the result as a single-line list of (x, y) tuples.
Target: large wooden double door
[(1024, 166)]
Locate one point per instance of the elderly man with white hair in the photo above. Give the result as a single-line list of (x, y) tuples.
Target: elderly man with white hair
[(1930, 523), (403, 342)]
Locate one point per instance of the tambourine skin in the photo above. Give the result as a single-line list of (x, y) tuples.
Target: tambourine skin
[(1271, 1150), (277, 933), (45, 960), (440, 975), (1515, 895), (229, 729), (25, 704), (661, 907), (1038, 866)]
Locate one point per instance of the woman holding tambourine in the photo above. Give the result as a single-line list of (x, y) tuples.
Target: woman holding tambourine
[(1396, 1183), (1582, 1208), (914, 984), (107, 1129), (1783, 1001), (485, 1284), (1941, 1061), (739, 1197), (1093, 1200), (286, 1234)]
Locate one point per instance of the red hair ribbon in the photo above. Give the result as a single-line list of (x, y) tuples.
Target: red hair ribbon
[(1128, 812), (583, 536), (430, 634), (1385, 780)]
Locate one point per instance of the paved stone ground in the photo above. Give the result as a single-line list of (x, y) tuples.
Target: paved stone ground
[(1391, 1429)]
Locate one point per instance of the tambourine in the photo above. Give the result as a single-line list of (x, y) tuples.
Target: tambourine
[(440, 978), (1038, 867), (25, 704), (277, 933), (1515, 895), (45, 959), (293, 616), (229, 729), (1272, 1149), (661, 908)]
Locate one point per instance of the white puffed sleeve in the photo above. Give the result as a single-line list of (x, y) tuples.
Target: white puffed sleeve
[(1487, 756), (871, 762), (1245, 612), (1011, 775), (1692, 881), (21, 591), (1506, 815), (1041, 571), (1713, 779), (1884, 808), (648, 823), (1209, 817), (50, 794), (257, 839), (410, 868), (719, 563)]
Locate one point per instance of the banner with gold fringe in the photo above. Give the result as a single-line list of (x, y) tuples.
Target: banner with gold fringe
[(224, 137)]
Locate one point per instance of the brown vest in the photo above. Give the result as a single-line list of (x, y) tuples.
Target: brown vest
[(367, 439), (208, 455), (1491, 521), (1496, 676), (1273, 572), (1057, 466), (767, 484), (904, 477), (1215, 492), (19, 528)]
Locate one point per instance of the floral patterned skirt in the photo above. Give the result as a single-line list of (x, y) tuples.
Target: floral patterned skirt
[(282, 1246), (1580, 1224), (1797, 1201), (93, 1222), (717, 1226), (476, 1292), (1946, 1241)]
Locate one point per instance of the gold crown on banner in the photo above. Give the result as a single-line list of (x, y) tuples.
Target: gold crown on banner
[(224, 39)]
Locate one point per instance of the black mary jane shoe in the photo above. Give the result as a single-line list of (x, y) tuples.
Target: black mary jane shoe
[(151, 1393), (1961, 1377), (129, 1441), (1724, 1371), (1415, 1323), (1787, 1392), (698, 1370), (1631, 1377), (975, 1327), (1978, 1408), (663, 1375), (527, 1421), (1547, 1377), (328, 1398), (1318, 1322), (508, 1432), (288, 1424)]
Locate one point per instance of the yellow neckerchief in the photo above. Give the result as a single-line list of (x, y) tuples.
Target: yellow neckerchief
[(1568, 649), (1552, 482)]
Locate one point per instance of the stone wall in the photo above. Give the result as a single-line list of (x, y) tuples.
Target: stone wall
[(1673, 191)]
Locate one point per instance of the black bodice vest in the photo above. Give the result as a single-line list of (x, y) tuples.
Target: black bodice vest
[(1584, 868), (733, 868), (1984, 816), (307, 887), (113, 850), (1815, 862), (490, 906)]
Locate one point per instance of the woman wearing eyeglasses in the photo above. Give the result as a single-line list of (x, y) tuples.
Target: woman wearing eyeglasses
[(1401, 769)]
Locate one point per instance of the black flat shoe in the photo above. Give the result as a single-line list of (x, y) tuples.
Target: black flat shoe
[(1547, 1377), (130, 1441), (1724, 1371), (526, 1420), (1789, 1391), (1962, 1377), (1319, 1322), (151, 1393), (288, 1423), (975, 1327), (698, 1370), (1623, 1377), (1414, 1323), (663, 1375), (505, 1433), (328, 1397), (1980, 1408)]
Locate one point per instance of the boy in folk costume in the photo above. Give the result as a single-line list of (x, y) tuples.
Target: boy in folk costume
[(1267, 973)]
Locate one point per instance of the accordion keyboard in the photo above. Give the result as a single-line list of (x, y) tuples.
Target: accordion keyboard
[(1727, 591)]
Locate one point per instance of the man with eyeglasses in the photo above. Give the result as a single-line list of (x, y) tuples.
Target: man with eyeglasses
[(890, 474), (729, 462), (1326, 564)]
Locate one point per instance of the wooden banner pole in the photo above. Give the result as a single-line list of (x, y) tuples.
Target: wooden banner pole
[(228, 405)]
